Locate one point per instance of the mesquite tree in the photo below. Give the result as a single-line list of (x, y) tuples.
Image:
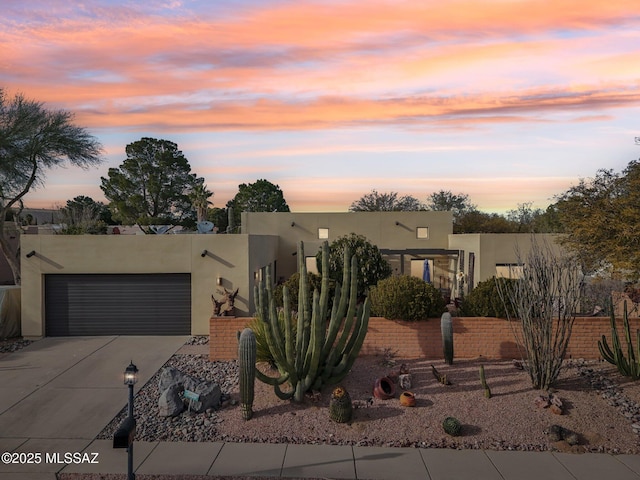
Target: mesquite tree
[(545, 300)]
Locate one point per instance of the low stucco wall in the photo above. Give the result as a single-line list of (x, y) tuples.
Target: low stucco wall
[(473, 337)]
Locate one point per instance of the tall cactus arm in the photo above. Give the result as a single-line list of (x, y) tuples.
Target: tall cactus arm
[(351, 312), (340, 299), (346, 362), (288, 334), (272, 331), (312, 360), (302, 337), (324, 285), (629, 367), (605, 351), (627, 334)]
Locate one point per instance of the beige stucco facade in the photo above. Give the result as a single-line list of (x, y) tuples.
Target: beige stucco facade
[(386, 230), (267, 239), (233, 258), (497, 249)]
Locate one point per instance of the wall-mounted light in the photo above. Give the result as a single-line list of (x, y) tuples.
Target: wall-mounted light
[(31, 253), (397, 223), (293, 224), (204, 253), (219, 281)]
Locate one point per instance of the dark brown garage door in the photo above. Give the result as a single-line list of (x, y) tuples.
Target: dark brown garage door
[(135, 304)]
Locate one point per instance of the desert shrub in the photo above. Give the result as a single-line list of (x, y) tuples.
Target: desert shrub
[(406, 298), (293, 285), (372, 267), (485, 301)]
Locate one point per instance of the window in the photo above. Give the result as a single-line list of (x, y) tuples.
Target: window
[(509, 270), (312, 266), (422, 232), (323, 233)]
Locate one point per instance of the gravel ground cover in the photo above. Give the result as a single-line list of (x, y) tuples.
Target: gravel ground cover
[(600, 405)]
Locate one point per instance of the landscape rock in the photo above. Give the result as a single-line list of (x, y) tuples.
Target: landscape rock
[(209, 397), (170, 376), (170, 403)]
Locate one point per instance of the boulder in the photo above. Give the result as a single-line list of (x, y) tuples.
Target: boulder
[(209, 397), (169, 376), (170, 403)]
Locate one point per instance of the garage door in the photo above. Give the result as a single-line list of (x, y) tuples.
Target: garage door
[(136, 304)]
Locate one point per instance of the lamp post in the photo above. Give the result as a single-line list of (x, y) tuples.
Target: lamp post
[(130, 379)]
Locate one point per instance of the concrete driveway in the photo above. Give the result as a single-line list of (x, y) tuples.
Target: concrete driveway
[(57, 394)]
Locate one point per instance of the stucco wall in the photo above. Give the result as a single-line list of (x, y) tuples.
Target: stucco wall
[(379, 227), (491, 249), (233, 258)]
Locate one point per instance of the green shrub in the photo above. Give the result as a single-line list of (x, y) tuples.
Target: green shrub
[(406, 298), (485, 300), (372, 267), (293, 284)]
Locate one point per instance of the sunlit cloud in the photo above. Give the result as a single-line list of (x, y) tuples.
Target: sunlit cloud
[(257, 89)]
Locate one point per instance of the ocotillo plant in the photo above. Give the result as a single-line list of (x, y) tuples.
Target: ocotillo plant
[(446, 328), (326, 343), (247, 367), (629, 367)]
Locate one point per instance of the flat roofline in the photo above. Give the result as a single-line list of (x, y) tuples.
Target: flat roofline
[(419, 251)]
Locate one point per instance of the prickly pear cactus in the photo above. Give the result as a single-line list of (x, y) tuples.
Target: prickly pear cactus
[(452, 426), (340, 407), (247, 366)]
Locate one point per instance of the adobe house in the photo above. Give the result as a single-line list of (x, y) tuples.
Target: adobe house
[(162, 284)]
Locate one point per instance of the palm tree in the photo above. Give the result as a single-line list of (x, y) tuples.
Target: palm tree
[(199, 197)]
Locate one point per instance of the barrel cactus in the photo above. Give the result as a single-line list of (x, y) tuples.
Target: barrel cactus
[(452, 426), (340, 407), (446, 328), (247, 367)]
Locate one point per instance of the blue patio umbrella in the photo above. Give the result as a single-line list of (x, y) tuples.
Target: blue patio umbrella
[(426, 273)]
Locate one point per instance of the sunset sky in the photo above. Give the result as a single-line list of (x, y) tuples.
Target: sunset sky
[(508, 101)]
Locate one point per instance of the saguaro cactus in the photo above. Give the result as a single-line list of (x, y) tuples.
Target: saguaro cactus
[(247, 366), (326, 343), (446, 328)]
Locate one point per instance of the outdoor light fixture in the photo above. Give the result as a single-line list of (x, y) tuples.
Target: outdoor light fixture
[(31, 253), (131, 375), (219, 281), (397, 223), (123, 438), (293, 224), (204, 253)]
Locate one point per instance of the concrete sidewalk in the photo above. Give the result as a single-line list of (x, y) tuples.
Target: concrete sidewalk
[(326, 461), (57, 394)]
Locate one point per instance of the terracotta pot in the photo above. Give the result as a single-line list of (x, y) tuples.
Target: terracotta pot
[(407, 399), (384, 389)]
